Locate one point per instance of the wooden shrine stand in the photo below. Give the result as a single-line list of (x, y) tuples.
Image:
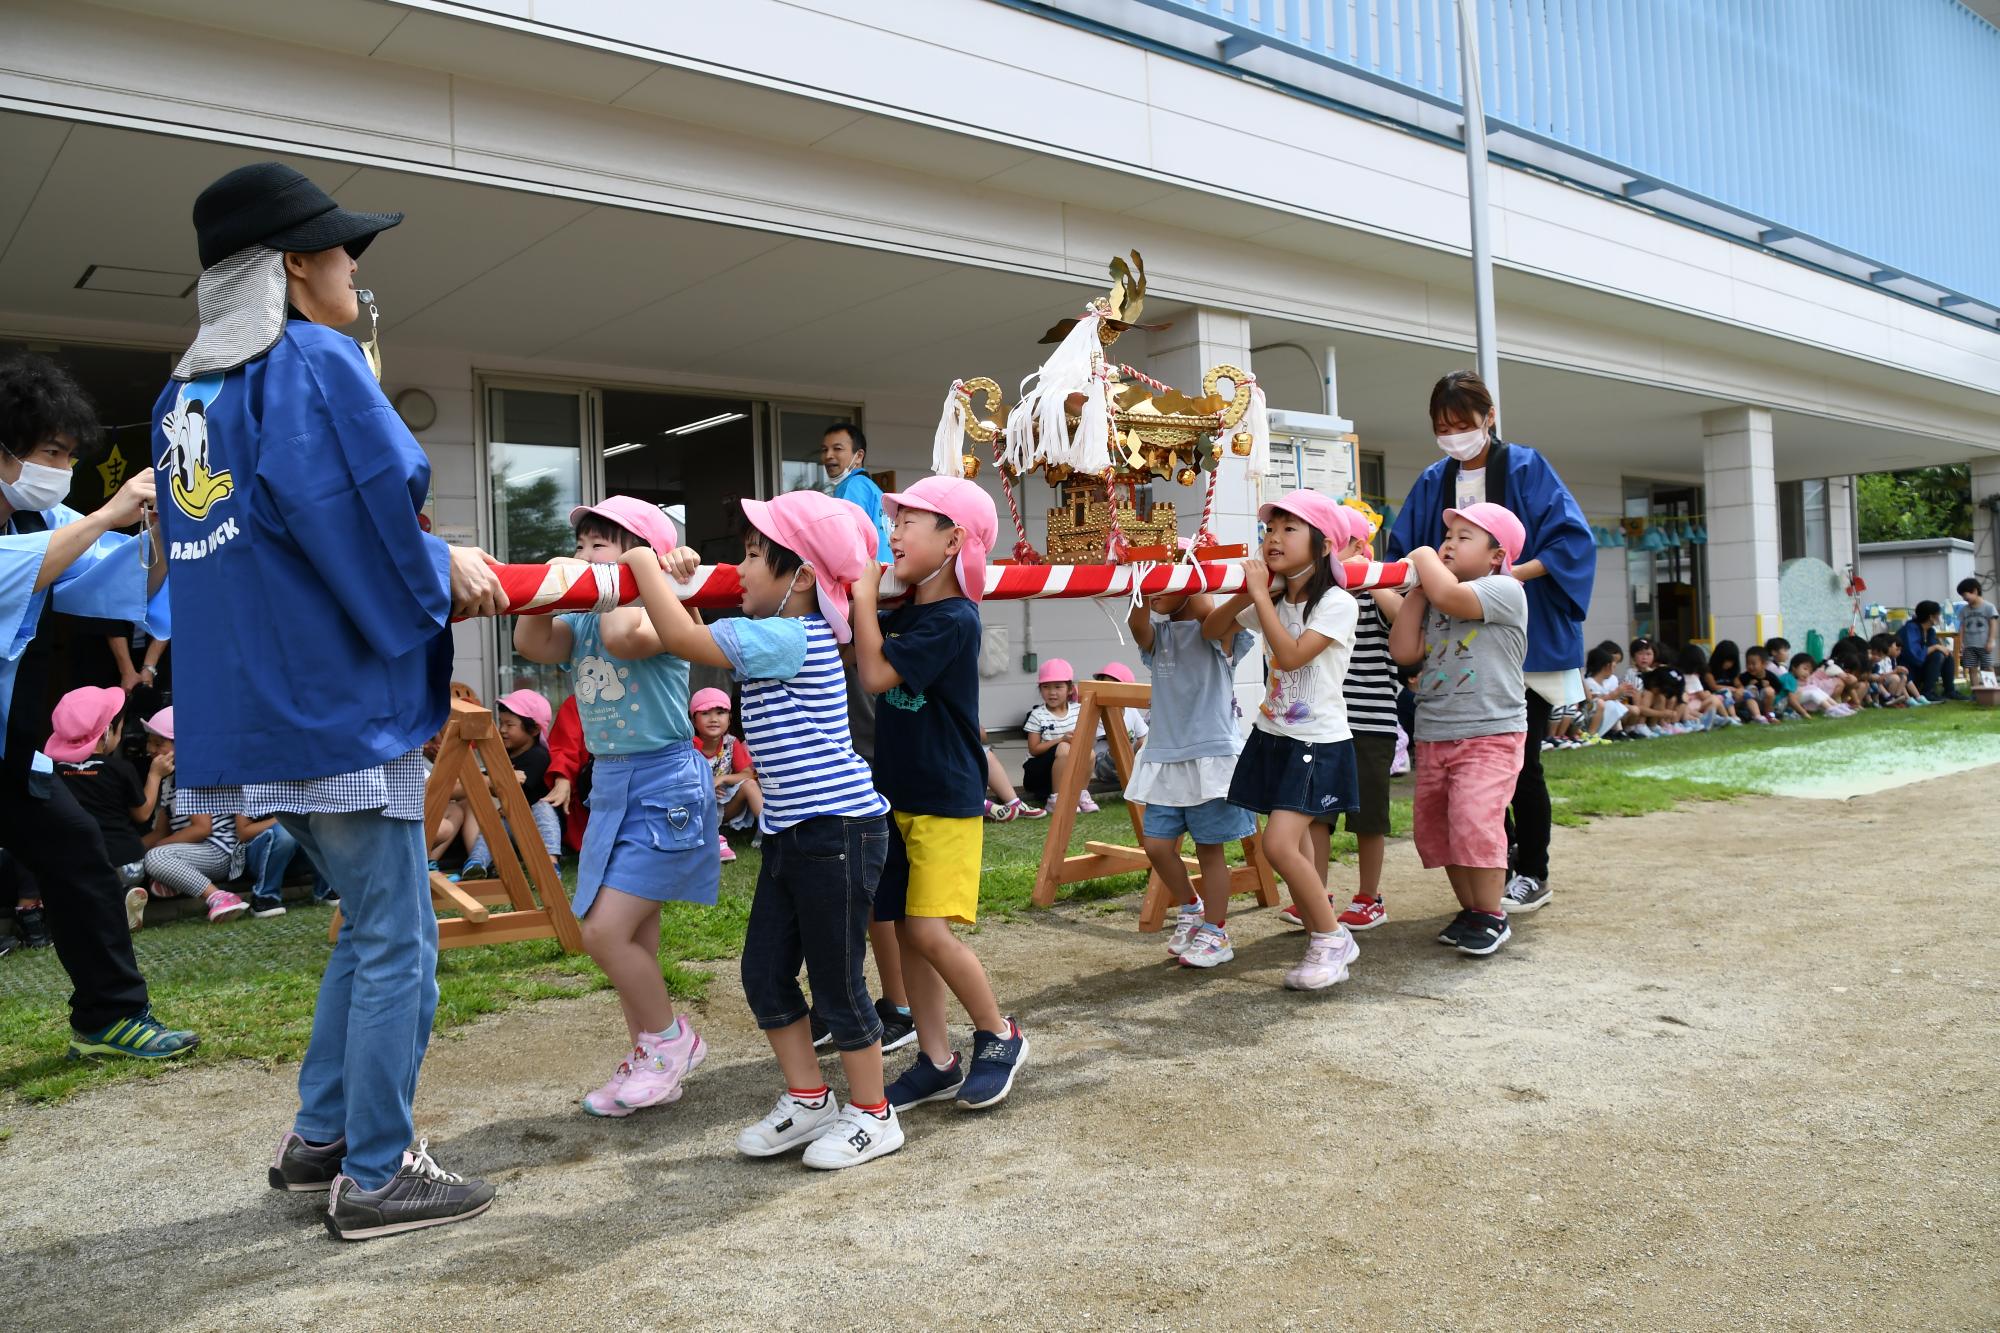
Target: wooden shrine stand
[(1107, 701), (520, 862)]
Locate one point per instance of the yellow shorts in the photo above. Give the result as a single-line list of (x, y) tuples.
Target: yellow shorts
[(932, 868)]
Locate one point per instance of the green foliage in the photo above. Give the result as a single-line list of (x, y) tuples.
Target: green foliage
[(1911, 506)]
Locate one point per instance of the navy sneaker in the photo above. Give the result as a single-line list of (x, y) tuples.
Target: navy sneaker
[(995, 1061), (1484, 934), (898, 1030), (1449, 935), (925, 1082)]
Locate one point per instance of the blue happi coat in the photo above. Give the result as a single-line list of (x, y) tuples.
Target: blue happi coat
[(1521, 481), (310, 607)]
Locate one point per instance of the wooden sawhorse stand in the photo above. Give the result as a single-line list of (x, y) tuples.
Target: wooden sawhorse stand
[(519, 858), (1107, 701)]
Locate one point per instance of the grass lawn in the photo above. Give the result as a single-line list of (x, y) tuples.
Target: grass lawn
[(248, 986)]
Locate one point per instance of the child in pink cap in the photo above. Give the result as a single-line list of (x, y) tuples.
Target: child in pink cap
[(1297, 766), (728, 759), (1467, 624), (653, 821), (922, 658), (84, 746), (825, 828), (1050, 726), (1103, 769), (522, 719)]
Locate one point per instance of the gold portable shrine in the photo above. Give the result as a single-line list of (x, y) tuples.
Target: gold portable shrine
[(1101, 433)]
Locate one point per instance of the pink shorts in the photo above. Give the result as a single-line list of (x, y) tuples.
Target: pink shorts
[(1463, 790)]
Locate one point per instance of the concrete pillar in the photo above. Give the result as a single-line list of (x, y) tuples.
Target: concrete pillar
[(1180, 356), (1985, 487), (1741, 496), (1840, 525)]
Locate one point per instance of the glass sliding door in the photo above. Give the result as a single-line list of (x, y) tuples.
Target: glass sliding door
[(800, 428), (537, 441)]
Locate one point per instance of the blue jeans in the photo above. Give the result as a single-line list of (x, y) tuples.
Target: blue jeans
[(379, 994), (266, 860), (815, 900)]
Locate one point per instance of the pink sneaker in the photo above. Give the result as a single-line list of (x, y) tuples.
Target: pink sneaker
[(658, 1066), (1364, 913), (224, 905), (1085, 805), (728, 852), (1325, 963), (604, 1101)]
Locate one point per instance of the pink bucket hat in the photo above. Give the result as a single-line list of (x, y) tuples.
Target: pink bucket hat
[(642, 520), (161, 724), (1497, 523), (1118, 671), (527, 704), (1055, 671), (965, 504), (81, 718), (1329, 516), (708, 700), (826, 534)]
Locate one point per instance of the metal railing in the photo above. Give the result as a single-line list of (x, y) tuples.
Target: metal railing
[(1860, 134)]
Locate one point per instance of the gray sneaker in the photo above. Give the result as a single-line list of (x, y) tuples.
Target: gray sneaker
[(420, 1194), (1525, 893), (302, 1168)]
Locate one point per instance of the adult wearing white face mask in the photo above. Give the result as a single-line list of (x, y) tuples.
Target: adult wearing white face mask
[(55, 559), (1557, 568)]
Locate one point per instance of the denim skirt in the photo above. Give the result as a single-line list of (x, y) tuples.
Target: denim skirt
[(1280, 773), (652, 829)]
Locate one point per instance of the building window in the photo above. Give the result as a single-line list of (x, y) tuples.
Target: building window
[(1374, 479), (1804, 528)]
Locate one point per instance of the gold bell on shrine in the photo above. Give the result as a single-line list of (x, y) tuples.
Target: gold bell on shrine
[(1239, 444)]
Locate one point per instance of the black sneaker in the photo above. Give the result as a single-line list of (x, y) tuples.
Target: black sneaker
[(266, 907), (33, 929), (1525, 893), (898, 1029), (822, 1034), (420, 1194), (1449, 935), (996, 1058), (1484, 934), (301, 1167)]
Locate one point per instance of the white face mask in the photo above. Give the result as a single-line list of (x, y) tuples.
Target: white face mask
[(1465, 446), (38, 487)]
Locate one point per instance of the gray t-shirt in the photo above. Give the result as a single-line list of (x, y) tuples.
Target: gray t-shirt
[(1471, 683), (1975, 625), (1194, 692)]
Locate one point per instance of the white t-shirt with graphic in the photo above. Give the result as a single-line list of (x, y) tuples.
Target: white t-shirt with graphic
[(1309, 704)]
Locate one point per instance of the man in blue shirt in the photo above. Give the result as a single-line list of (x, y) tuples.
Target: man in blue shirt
[(315, 615), (53, 559), (843, 452)]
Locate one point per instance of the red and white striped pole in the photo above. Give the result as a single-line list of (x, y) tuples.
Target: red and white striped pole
[(547, 589)]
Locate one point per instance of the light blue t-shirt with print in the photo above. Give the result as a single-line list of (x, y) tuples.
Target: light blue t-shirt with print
[(626, 707)]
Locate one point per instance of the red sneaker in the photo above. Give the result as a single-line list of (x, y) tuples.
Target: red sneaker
[(1290, 914), (1364, 914)]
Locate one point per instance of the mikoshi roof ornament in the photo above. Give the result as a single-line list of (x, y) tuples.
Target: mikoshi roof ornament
[(1095, 428)]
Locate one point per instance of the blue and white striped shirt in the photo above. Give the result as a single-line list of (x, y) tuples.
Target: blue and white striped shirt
[(795, 719)]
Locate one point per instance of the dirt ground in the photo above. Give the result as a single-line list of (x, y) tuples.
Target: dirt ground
[(1740, 1073)]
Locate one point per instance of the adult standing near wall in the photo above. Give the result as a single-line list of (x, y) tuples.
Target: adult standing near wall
[(314, 609), (55, 559), (843, 452), (1558, 565)]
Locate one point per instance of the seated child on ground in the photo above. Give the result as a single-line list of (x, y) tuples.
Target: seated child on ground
[(1600, 682), (1050, 726), (1759, 686), (522, 718), (85, 750), (1725, 668), (1705, 710), (737, 794), (190, 854), (1808, 697), (1103, 769), (1889, 680)]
